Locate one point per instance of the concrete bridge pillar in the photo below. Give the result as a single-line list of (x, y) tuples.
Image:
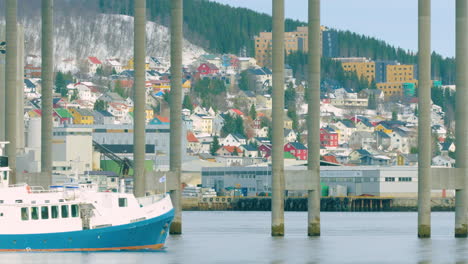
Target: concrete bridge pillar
[(424, 128), (461, 115), (277, 205), (176, 112), (47, 88), (11, 85), (313, 118), (139, 93)]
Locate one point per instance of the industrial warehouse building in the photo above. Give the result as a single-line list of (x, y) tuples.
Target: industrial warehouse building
[(376, 181)]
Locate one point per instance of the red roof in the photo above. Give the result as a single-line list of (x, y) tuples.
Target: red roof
[(330, 158), (163, 119), (231, 149), (191, 137), (94, 60), (237, 111), (126, 83)]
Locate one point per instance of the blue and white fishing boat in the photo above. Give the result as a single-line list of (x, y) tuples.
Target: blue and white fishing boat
[(79, 218)]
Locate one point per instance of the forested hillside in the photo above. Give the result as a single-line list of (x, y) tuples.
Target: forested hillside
[(224, 29)]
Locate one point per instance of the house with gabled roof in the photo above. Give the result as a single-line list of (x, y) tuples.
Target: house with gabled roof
[(82, 116), (345, 129), (103, 118), (93, 64), (249, 151), (297, 149), (364, 125), (328, 137), (193, 144), (226, 151), (400, 141), (289, 135), (356, 155), (382, 140), (234, 140), (61, 116)]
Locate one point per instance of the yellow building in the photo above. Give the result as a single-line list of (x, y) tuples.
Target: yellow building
[(384, 128), (400, 73), (293, 41), (391, 89), (362, 67), (130, 65), (149, 112), (82, 116)]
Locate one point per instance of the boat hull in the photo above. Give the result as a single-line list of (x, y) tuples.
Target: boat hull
[(148, 234)]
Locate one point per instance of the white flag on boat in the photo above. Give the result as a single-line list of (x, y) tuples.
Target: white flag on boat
[(162, 179)]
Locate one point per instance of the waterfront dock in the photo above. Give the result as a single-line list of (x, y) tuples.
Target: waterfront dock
[(327, 204)]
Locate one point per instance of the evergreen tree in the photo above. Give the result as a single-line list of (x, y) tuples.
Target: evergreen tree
[(99, 71), (187, 103), (394, 116), (253, 112), (244, 81), (214, 145), (114, 72), (119, 90), (372, 104), (100, 105), (60, 82), (235, 152)]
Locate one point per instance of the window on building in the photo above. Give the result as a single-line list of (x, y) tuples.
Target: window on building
[(389, 179), (24, 213), (75, 210), (64, 211), (34, 213)]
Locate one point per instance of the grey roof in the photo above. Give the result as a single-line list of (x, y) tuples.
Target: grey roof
[(298, 145), (348, 123), (29, 84), (363, 152), (381, 134), (105, 113), (249, 147), (84, 112)]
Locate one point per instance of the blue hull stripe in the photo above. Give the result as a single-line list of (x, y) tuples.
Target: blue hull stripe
[(146, 234)]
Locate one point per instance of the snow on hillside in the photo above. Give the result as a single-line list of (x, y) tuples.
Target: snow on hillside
[(103, 36)]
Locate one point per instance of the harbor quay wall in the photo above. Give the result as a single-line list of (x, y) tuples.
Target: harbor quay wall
[(327, 204)]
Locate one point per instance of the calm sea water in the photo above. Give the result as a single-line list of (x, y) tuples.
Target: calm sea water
[(244, 237)]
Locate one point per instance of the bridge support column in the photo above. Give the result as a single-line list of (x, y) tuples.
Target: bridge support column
[(424, 129), (47, 86), (176, 112), (313, 118), (461, 112), (11, 85), (139, 93), (277, 205)]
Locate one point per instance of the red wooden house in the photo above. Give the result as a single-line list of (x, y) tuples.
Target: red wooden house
[(297, 149), (328, 137), (207, 68)]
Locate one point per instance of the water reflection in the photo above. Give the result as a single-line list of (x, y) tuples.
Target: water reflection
[(244, 237)]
